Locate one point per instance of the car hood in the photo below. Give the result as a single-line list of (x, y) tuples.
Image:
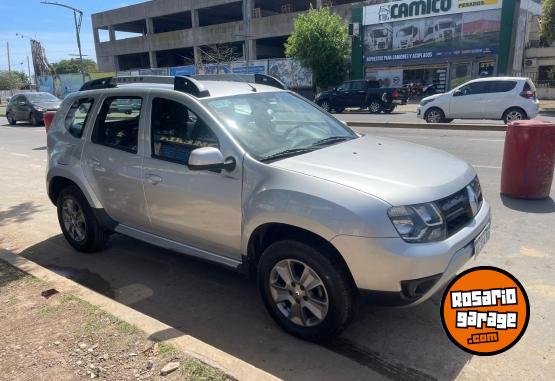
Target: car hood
[(398, 172), (431, 97), (48, 105)]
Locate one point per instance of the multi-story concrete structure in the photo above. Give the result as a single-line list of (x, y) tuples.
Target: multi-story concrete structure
[(166, 33)]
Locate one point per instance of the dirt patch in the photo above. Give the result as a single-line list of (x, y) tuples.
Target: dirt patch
[(55, 336)]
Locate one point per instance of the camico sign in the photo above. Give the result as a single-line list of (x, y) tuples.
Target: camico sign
[(405, 10)]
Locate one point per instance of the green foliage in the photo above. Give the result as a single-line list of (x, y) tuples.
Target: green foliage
[(547, 24), (320, 41), (14, 81), (72, 66)]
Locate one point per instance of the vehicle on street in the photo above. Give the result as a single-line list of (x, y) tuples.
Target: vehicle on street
[(30, 107), (361, 94), (501, 98), (254, 177)]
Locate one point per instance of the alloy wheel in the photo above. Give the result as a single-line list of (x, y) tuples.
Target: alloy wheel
[(374, 107), (326, 106), (434, 116), (298, 292), (513, 115), (74, 220)]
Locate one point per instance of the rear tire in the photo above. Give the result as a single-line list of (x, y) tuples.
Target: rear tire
[(78, 222), (513, 114), (305, 291), (434, 115), (374, 107), (11, 119)]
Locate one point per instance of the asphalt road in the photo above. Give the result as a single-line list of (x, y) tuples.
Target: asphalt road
[(223, 309), (407, 114)]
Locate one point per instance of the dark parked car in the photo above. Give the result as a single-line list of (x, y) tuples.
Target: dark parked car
[(361, 94), (31, 107)]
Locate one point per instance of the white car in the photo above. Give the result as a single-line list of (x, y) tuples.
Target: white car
[(504, 98)]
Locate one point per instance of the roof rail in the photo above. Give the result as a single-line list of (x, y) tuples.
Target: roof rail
[(184, 84), (261, 79)]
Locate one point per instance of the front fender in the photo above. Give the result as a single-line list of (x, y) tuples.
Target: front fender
[(328, 209)]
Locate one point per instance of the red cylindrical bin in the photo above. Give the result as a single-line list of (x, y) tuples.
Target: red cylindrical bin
[(528, 159), (48, 118)]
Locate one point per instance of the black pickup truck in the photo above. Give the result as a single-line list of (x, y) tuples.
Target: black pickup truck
[(361, 94)]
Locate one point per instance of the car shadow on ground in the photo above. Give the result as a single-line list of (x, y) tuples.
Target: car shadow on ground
[(545, 205), (223, 309), (22, 124)]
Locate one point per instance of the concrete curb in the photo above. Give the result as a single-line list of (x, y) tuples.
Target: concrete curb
[(156, 330), (430, 126)]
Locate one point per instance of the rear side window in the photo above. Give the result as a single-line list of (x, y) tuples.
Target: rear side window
[(117, 125), (358, 85), (77, 116), (177, 131), (501, 86), (373, 84), (529, 86)]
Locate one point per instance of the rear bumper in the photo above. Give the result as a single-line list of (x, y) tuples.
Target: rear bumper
[(391, 266)]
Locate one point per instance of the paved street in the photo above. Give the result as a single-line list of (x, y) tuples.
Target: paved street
[(223, 309), (407, 114)]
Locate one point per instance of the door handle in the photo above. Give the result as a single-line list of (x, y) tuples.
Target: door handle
[(153, 179)]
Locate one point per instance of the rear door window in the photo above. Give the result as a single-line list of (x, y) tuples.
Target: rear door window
[(117, 125), (500, 86), (77, 116), (474, 88)]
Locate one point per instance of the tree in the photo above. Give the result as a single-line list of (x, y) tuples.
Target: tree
[(217, 54), (320, 41), (11, 81), (547, 23), (72, 66)]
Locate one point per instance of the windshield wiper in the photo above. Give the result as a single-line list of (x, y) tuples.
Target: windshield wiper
[(332, 139), (286, 153)]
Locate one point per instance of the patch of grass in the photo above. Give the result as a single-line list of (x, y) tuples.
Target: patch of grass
[(48, 310), (91, 326), (167, 350), (125, 327), (193, 369), (29, 280)]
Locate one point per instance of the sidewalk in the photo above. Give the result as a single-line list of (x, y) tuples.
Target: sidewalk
[(53, 335)]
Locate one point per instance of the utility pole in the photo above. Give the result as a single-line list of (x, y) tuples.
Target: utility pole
[(77, 18), (29, 71), (9, 69)]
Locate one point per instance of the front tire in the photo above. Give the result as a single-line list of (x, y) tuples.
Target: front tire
[(388, 109), (434, 115), (326, 105), (11, 120), (33, 119), (305, 292), (78, 222), (514, 114)]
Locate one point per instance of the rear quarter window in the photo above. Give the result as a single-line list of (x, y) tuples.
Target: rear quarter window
[(77, 116), (501, 86)]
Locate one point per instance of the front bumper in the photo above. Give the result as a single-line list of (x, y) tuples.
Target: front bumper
[(387, 265), (419, 113)]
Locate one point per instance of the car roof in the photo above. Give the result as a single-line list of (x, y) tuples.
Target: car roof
[(215, 88), (500, 79)]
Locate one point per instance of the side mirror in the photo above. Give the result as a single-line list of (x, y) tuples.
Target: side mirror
[(22, 103), (211, 159), (457, 93)]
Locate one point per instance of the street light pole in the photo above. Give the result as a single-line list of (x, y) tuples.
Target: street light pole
[(77, 18)]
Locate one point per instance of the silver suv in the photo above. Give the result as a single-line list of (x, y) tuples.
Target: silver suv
[(254, 177)]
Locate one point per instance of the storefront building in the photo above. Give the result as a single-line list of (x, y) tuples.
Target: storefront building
[(438, 44)]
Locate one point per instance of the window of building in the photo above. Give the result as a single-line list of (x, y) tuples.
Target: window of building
[(117, 125), (77, 116), (176, 131)]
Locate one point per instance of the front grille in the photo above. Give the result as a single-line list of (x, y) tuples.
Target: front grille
[(457, 209)]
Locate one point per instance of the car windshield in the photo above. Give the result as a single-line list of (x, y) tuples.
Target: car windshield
[(445, 25), (274, 123), (41, 97)]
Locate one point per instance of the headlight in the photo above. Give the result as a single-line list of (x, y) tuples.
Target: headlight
[(424, 102), (418, 223), (40, 109)]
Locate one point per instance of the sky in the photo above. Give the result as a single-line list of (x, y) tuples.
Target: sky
[(51, 25)]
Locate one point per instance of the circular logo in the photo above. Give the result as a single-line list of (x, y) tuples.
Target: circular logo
[(485, 310)]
